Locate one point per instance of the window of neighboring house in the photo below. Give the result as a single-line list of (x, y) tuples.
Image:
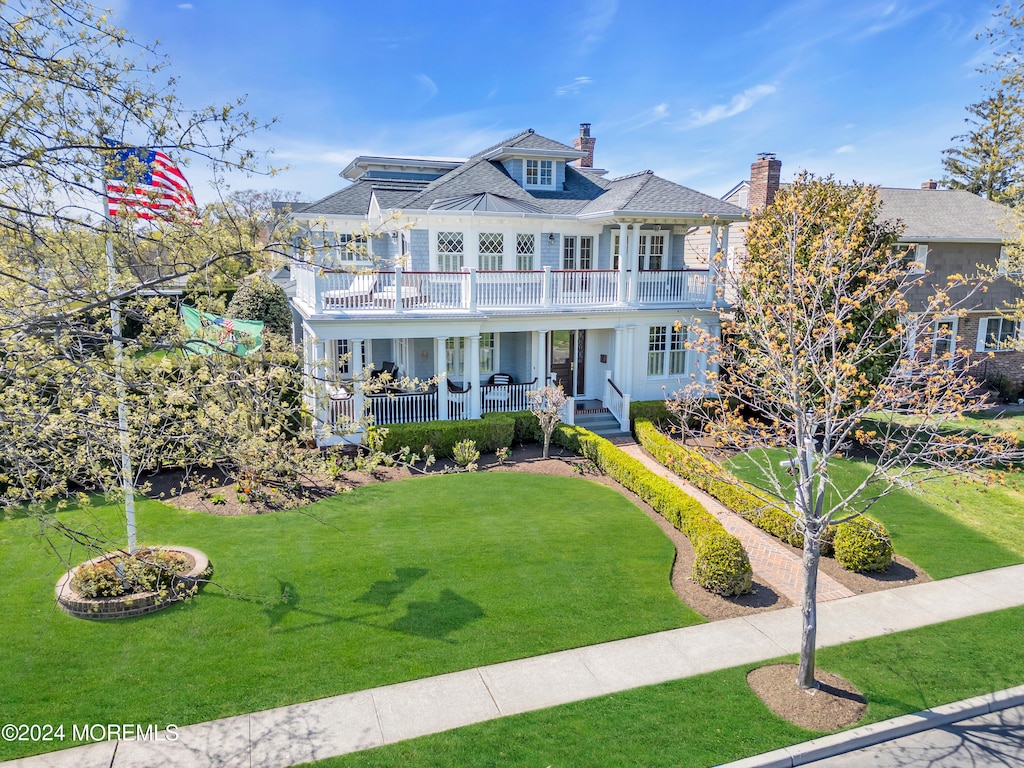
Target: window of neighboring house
[(666, 351), (615, 251), (455, 354), (1011, 261), (492, 248), (914, 256), (944, 336), (540, 173), (526, 246), (577, 252), (450, 251), (996, 334)]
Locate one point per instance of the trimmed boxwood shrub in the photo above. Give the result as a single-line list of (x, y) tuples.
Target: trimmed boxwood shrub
[(720, 564), (862, 544), (741, 499), (494, 431)]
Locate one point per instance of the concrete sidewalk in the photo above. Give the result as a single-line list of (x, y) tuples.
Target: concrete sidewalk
[(337, 725)]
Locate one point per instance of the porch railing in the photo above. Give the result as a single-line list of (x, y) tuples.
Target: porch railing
[(616, 402), (397, 291), (505, 398)]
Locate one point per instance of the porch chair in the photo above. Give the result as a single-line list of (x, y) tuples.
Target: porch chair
[(361, 287)]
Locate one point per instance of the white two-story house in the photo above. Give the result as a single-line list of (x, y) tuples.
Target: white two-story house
[(496, 273)]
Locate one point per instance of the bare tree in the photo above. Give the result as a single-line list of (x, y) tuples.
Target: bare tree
[(547, 404), (822, 350)]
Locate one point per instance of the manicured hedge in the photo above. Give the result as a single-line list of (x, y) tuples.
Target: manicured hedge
[(490, 433), (721, 564), (866, 546)]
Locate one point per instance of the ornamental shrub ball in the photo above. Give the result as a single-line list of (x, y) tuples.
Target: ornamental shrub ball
[(263, 300)]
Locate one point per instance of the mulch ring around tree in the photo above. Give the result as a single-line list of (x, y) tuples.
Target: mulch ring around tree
[(835, 704)]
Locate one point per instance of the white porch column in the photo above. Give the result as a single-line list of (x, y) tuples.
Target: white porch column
[(323, 401), (634, 263), (472, 363), (441, 372), (538, 357), (629, 384), (623, 239), (722, 267), (355, 360), (618, 364), (713, 247)]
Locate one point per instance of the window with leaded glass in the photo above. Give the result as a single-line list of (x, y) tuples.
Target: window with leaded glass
[(526, 247), (449, 251), (492, 247)]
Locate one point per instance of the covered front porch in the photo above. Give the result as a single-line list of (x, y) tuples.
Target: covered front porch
[(458, 377)]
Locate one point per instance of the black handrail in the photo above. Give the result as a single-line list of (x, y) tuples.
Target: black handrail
[(619, 391)]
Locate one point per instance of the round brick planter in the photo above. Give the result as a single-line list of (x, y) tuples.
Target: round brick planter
[(125, 606)]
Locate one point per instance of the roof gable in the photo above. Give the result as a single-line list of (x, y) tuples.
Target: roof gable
[(946, 215)]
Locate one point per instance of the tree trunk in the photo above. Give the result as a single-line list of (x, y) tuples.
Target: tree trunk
[(809, 607), (547, 442)]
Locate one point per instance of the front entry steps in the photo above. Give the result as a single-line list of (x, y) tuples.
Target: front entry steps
[(599, 421)]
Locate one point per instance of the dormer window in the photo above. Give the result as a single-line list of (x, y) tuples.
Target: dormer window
[(540, 173)]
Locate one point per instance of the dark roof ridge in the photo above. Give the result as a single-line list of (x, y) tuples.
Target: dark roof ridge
[(631, 175), (503, 143)]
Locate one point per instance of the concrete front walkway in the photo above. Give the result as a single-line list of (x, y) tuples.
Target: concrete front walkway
[(314, 730), (772, 563)]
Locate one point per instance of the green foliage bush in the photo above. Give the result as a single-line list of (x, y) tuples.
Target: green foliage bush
[(490, 433), (862, 545), (721, 564), (145, 571), (741, 499), (466, 454), (262, 299)]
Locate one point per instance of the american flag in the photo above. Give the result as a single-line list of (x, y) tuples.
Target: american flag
[(157, 190)]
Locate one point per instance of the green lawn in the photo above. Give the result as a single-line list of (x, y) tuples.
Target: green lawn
[(947, 527), (387, 583), (715, 718)]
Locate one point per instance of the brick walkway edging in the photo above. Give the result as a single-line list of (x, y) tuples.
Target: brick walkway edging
[(771, 562)]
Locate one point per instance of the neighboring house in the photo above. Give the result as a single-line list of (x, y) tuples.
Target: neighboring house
[(951, 232), (500, 272)]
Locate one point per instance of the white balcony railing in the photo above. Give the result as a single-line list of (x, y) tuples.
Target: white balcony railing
[(342, 291)]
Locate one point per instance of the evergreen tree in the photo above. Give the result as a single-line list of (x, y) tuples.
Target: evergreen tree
[(987, 160)]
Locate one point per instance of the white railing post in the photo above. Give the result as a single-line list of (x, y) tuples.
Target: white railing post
[(441, 373), (319, 284), (545, 289), (399, 302), (624, 421), (607, 395), (472, 290)]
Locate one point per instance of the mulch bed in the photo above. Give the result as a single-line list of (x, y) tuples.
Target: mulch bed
[(211, 492)]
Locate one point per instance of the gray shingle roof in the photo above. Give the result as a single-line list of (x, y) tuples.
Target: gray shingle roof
[(354, 200), (646, 193), (946, 214), (484, 201), (528, 139)]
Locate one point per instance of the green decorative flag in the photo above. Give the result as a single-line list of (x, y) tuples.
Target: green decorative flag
[(210, 334)]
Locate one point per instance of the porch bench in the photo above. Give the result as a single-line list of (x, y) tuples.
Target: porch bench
[(358, 293)]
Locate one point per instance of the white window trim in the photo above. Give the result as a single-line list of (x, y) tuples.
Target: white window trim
[(577, 241), (670, 331), (539, 161), (920, 263), (983, 334), (467, 244), (645, 250), (459, 347), (954, 328)]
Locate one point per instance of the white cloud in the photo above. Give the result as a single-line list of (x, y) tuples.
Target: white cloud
[(846, 149), (596, 22), (656, 114), (185, 6), (741, 102), (428, 87), (577, 85)]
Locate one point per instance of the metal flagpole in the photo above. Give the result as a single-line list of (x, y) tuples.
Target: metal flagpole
[(122, 407)]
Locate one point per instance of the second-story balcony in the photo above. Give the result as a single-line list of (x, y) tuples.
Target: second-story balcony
[(326, 291)]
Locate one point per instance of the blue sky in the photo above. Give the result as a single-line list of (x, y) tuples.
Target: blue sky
[(693, 90)]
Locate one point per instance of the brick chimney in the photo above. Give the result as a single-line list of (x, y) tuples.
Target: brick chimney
[(584, 143), (765, 174), (930, 184)]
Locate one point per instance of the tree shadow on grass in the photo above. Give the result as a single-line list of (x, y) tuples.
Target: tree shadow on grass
[(436, 620), (383, 593)]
